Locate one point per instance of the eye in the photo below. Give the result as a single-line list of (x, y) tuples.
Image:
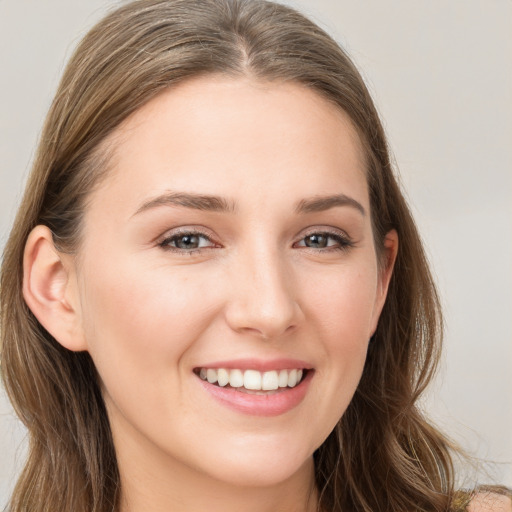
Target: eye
[(186, 241), (325, 240)]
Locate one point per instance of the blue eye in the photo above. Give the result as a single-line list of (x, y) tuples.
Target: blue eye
[(190, 242), (323, 240), (187, 242)]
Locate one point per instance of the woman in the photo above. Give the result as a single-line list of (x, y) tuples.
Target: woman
[(214, 295)]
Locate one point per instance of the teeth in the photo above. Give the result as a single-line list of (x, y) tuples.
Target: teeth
[(211, 375), (282, 379), (252, 379), (269, 381), (292, 378), (236, 378), (222, 377)]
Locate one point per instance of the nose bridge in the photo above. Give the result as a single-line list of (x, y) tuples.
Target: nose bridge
[(262, 300)]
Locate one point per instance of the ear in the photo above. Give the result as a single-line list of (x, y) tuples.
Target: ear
[(49, 289), (385, 272)]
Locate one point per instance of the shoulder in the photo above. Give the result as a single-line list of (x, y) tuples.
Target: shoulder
[(490, 501)]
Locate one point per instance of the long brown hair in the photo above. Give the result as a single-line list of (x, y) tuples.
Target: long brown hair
[(383, 455)]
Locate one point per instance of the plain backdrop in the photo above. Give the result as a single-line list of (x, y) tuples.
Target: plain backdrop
[(440, 72)]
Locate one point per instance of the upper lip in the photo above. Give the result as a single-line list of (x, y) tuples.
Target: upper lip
[(259, 364)]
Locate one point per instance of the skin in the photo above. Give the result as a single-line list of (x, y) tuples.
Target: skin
[(490, 502), (149, 313)]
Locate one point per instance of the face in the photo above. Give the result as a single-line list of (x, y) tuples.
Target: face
[(230, 249)]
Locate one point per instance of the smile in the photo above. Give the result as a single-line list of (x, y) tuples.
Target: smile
[(252, 380), (257, 392)]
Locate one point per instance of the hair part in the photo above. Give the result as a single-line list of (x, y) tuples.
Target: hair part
[(383, 454)]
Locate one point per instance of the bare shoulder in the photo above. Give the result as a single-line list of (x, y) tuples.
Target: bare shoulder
[(488, 501)]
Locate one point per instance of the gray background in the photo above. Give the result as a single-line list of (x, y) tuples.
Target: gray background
[(440, 72)]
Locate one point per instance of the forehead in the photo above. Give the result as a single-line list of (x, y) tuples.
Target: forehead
[(237, 137)]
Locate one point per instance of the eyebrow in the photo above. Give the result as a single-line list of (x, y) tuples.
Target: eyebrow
[(222, 205), (187, 200), (322, 203)]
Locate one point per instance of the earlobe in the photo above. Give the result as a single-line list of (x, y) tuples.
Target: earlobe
[(49, 289)]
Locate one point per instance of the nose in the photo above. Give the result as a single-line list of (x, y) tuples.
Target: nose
[(262, 300)]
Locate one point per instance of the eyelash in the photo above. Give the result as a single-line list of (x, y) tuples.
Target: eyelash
[(343, 242), (165, 243)]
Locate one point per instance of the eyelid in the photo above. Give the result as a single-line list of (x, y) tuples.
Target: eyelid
[(164, 240), (328, 231), (344, 241)]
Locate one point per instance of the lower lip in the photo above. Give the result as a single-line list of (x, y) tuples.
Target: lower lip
[(260, 405)]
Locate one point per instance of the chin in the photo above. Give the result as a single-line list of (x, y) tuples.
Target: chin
[(270, 473), (262, 466)]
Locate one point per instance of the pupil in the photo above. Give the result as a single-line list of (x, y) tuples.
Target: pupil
[(317, 241), (187, 242)]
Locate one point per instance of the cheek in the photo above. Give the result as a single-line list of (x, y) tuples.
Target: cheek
[(343, 305), (342, 311), (140, 321)]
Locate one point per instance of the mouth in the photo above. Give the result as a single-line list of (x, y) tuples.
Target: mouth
[(263, 392), (253, 381)]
